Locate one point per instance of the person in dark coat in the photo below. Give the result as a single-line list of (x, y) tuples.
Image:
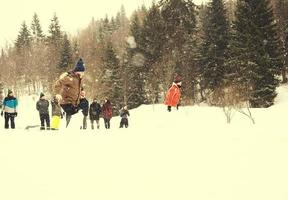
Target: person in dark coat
[(107, 113), (124, 113), (94, 113), (67, 89), (42, 106), (10, 104), (84, 106)]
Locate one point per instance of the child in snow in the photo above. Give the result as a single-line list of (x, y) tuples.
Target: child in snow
[(124, 113), (56, 113), (42, 106), (84, 106), (94, 113), (10, 104)]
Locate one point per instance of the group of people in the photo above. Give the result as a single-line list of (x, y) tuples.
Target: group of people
[(70, 97)]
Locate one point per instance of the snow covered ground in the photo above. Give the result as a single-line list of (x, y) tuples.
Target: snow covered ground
[(187, 154)]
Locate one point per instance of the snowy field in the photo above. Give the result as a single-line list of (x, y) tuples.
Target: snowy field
[(189, 154)]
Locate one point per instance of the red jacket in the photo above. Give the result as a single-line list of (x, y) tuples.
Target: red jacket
[(107, 110), (173, 95)]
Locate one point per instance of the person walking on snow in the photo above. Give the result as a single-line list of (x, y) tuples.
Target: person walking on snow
[(107, 113), (94, 113), (56, 113), (124, 113), (84, 106), (67, 89), (42, 106), (173, 95), (10, 104)]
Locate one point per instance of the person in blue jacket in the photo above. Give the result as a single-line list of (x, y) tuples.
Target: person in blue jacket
[(10, 104)]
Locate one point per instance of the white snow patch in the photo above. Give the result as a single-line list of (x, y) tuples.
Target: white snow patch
[(191, 153)]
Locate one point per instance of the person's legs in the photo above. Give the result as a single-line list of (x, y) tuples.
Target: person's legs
[(6, 120), (47, 118), (97, 122), (12, 121), (84, 122), (92, 124), (169, 108), (42, 119)]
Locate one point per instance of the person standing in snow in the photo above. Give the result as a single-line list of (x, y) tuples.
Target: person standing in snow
[(56, 113), (42, 106), (84, 106), (107, 113), (67, 89), (124, 113), (10, 104), (94, 113), (174, 93)]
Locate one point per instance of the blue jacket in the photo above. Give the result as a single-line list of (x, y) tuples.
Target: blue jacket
[(10, 104)]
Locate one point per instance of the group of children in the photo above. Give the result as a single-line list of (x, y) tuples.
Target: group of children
[(94, 111)]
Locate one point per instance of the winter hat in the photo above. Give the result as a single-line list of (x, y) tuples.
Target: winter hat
[(42, 94), (79, 66)]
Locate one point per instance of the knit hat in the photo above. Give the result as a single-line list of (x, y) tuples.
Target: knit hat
[(42, 94), (79, 66)]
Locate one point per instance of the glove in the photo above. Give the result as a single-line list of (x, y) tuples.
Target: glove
[(15, 114), (2, 113)]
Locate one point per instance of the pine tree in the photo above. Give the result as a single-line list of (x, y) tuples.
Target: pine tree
[(214, 45), (66, 54), (134, 76), (111, 79), (37, 33), (256, 51), (23, 41), (152, 46), (281, 15), (55, 32)]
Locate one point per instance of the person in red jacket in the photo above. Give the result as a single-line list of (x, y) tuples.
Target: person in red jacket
[(173, 95), (107, 113)]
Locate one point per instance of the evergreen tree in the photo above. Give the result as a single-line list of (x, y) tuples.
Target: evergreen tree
[(281, 15), (23, 41), (214, 45), (134, 78), (55, 36), (152, 45), (37, 33), (66, 54), (256, 51), (111, 79)]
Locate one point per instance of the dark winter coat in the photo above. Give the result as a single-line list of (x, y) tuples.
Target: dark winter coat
[(124, 113), (84, 106), (69, 87), (95, 111), (107, 110), (56, 108), (42, 106)]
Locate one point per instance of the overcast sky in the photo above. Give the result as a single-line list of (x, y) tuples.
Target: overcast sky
[(73, 15)]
